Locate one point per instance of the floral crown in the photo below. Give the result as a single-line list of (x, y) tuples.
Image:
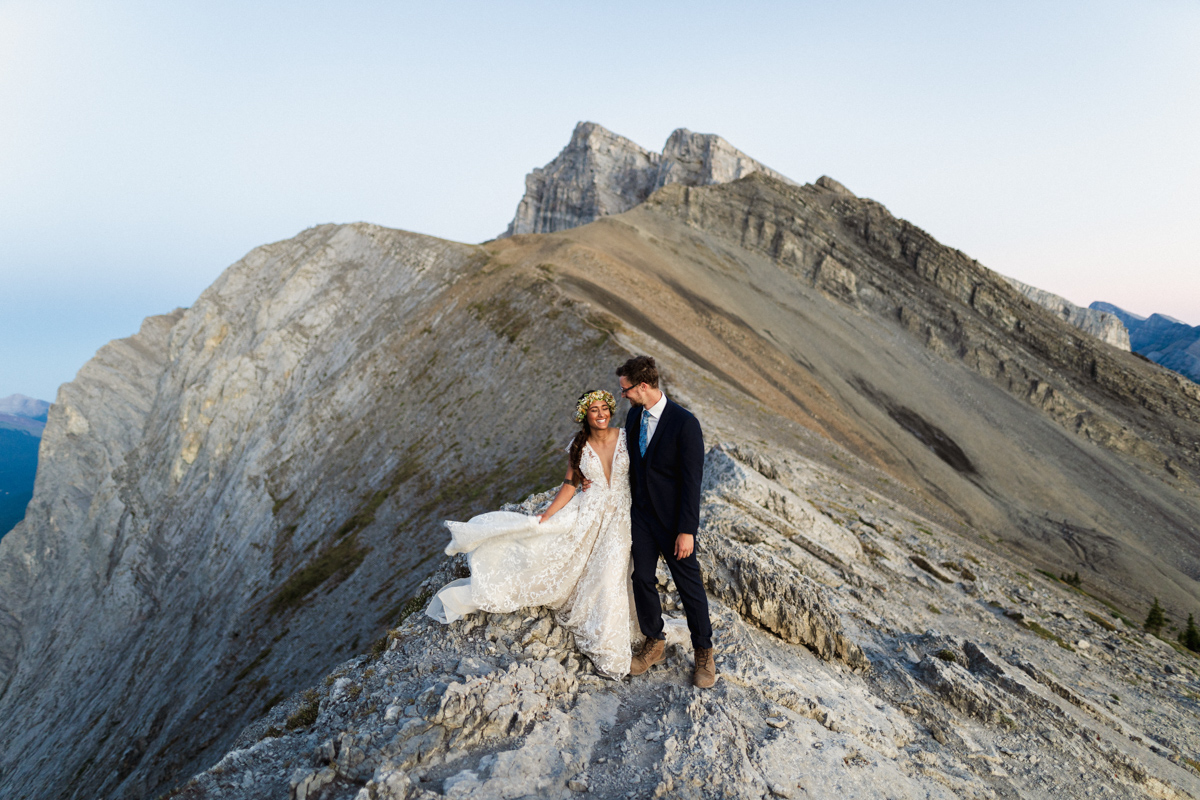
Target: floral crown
[(585, 402)]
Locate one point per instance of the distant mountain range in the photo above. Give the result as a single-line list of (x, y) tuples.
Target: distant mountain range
[(22, 420), (1162, 339)]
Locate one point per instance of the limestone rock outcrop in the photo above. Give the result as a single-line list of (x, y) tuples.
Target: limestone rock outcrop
[(600, 173), (503, 706), (1105, 326)]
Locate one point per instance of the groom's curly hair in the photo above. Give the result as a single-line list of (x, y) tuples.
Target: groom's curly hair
[(639, 369)]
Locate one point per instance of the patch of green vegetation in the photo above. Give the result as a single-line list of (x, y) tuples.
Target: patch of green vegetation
[(335, 563), (1116, 697), (501, 317), (1193, 763), (1101, 621), (947, 655), (924, 530), (272, 733), (1190, 638), (1155, 619), (365, 514), (379, 647), (406, 608), (1048, 635), (1048, 575), (1072, 580), (933, 609), (246, 670), (607, 324), (307, 714)]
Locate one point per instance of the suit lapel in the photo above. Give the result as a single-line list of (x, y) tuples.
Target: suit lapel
[(659, 430)]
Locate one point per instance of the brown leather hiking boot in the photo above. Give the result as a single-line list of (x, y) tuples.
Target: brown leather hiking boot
[(705, 673), (653, 651)]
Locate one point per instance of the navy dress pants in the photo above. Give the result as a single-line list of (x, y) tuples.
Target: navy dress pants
[(650, 539)]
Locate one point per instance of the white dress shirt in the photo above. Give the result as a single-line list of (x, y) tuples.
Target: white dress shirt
[(651, 415)]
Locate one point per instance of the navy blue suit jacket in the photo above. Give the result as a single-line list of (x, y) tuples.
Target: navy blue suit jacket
[(666, 481)]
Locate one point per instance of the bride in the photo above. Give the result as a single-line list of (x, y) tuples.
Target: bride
[(574, 558)]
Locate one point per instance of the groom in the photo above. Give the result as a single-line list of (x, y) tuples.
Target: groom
[(666, 463)]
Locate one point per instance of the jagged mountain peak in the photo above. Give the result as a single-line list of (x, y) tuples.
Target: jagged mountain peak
[(600, 173)]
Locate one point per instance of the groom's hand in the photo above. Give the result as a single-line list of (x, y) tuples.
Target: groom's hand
[(684, 544)]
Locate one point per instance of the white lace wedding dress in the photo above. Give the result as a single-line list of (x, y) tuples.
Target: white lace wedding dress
[(577, 562)]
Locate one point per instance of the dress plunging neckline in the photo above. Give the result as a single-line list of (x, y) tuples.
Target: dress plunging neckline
[(612, 462)]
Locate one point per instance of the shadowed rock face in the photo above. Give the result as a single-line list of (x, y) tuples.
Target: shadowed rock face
[(247, 492)]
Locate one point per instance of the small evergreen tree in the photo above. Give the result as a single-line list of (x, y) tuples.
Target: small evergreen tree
[(1190, 638), (1071, 580), (1155, 619)]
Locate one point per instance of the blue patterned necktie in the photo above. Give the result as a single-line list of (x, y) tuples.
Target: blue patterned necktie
[(643, 438)]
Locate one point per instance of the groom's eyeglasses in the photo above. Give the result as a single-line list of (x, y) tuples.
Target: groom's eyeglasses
[(624, 391)]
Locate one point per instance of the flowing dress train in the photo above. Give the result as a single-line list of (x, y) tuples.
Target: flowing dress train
[(577, 562)]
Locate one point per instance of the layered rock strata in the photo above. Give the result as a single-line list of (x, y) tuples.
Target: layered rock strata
[(1105, 326), (600, 173)]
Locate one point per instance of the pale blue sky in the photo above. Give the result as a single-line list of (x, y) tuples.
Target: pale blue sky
[(146, 146)]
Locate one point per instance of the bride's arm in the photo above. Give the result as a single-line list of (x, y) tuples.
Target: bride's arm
[(565, 493)]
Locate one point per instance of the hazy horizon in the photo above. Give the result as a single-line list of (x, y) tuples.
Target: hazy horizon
[(147, 147)]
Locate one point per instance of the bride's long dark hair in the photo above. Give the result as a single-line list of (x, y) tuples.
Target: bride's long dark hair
[(577, 445)]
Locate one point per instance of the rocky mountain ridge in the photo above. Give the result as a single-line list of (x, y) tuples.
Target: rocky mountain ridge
[(1105, 326), (248, 492), (1162, 339), (600, 173), (1023, 687)]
